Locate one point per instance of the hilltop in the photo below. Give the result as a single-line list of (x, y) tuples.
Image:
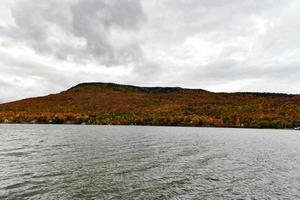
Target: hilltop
[(109, 103)]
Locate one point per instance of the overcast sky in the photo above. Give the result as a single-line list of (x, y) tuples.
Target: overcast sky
[(47, 46)]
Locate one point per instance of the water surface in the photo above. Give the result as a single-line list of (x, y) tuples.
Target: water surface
[(119, 162)]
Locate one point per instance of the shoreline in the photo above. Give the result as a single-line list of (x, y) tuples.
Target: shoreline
[(169, 126)]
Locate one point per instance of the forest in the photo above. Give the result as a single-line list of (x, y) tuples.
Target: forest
[(114, 104)]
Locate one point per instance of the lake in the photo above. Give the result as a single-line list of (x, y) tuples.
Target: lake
[(137, 162)]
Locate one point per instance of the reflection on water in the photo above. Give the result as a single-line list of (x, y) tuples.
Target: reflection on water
[(116, 162)]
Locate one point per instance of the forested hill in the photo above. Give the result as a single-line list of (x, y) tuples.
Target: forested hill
[(109, 103)]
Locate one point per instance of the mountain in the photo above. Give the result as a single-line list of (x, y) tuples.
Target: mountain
[(109, 103)]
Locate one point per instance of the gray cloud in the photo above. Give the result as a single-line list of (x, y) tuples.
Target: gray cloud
[(48, 46), (79, 30)]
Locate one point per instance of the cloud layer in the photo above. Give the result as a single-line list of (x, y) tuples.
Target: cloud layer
[(48, 46)]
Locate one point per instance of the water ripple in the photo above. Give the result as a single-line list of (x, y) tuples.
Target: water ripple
[(118, 162)]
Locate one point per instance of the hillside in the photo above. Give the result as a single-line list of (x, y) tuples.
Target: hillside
[(108, 103)]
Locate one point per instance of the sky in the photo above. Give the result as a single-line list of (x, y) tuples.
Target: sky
[(49, 46)]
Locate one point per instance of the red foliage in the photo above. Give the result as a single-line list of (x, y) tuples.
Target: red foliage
[(99, 103)]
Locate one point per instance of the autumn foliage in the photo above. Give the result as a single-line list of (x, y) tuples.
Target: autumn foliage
[(107, 103)]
